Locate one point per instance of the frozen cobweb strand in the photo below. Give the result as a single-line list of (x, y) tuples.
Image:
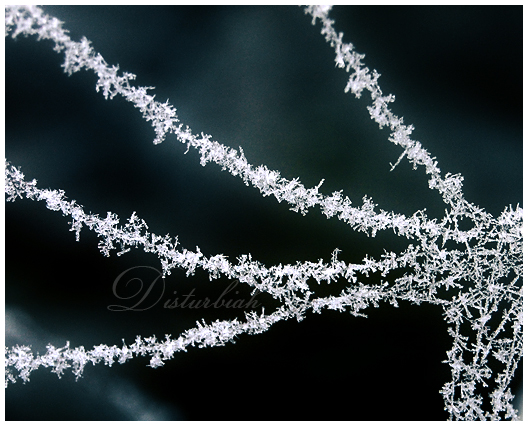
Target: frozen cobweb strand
[(482, 274), (360, 79), (31, 20)]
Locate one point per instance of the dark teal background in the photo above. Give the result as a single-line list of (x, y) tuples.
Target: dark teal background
[(264, 79)]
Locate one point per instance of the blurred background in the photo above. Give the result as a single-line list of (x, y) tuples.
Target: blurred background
[(264, 79)]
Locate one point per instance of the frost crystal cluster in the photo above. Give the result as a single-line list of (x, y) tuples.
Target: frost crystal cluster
[(473, 272)]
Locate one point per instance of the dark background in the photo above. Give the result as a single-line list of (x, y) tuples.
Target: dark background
[(264, 79)]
